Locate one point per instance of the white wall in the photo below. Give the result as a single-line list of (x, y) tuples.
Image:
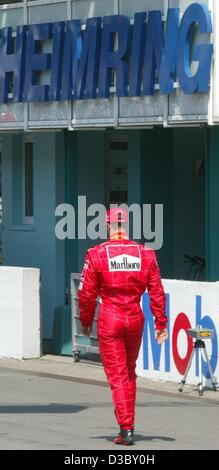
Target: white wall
[(19, 312), (199, 302)]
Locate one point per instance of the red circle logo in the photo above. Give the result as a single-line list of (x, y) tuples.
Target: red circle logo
[(182, 323)]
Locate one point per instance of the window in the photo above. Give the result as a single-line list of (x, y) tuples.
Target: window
[(117, 169), (28, 182)]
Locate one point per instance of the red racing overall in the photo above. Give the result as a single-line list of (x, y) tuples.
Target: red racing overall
[(119, 271)]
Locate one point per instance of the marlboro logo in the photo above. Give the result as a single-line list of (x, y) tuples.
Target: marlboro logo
[(125, 263), (124, 258)]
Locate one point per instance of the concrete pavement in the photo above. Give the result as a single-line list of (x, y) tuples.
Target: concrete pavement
[(65, 367)]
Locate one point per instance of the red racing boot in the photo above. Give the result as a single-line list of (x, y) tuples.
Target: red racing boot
[(124, 438)]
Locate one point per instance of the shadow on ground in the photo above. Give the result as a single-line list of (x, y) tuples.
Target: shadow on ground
[(48, 408), (138, 438)]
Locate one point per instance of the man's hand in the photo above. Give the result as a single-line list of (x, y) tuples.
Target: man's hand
[(161, 335), (86, 330)]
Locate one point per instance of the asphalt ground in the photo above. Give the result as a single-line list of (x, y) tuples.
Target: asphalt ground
[(43, 410)]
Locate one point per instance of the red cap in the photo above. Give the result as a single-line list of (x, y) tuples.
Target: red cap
[(116, 215)]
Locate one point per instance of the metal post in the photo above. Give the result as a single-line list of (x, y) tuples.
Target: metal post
[(183, 381), (200, 385), (213, 379)]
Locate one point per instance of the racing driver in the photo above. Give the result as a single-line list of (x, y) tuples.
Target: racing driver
[(119, 271)]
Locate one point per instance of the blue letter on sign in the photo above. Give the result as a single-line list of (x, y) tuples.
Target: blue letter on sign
[(37, 62), (114, 59), (12, 62), (56, 63), (198, 82), (136, 62), (168, 65), (149, 328), (72, 52), (89, 61), (206, 322), (153, 51)]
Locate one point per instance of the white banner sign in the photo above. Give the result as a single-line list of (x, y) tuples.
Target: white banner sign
[(189, 304)]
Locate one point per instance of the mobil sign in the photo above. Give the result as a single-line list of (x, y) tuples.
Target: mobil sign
[(188, 304)]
